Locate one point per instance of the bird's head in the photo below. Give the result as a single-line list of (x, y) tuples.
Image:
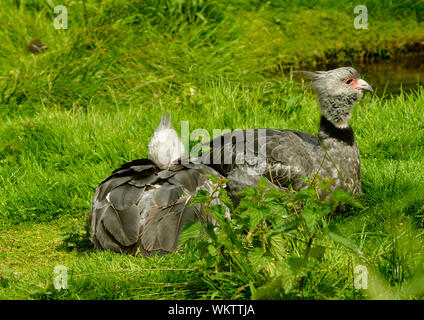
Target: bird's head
[(337, 90)]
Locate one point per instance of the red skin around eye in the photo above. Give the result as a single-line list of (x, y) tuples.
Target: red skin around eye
[(353, 83)]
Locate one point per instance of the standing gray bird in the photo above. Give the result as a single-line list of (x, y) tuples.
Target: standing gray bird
[(287, 155), (143, 206)]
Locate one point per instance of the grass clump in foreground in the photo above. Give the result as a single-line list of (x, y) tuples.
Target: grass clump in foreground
[(272, 244), (280, 245), (91, 102)]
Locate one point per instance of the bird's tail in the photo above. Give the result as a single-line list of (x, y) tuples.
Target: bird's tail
[(165, 145), (165, 122)]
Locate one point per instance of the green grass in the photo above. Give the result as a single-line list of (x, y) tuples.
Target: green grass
[(91, 102)]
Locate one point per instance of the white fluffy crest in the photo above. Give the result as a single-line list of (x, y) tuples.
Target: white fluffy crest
[(165, 145)]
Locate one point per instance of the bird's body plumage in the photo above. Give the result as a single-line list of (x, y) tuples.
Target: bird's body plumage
[(142, 208), (290, 156)]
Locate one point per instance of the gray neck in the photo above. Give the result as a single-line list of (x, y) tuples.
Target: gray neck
[(336, 109)]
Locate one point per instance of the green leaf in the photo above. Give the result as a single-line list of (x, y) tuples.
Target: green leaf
[(278, 246), (286, 226), (310, 218), (298, 266), (346, 242), (263, 184), (255, 256), (275, 194), (342, 196), (272, 290), (212, 177), (212, 250), (192, 230), (218, 212), (223, 196), (226, 229), (313, 214), (248, 193), (257, 259), (317, 252), (202, 196), (304, 194), (210, 231), (276, 207), (256, 215)]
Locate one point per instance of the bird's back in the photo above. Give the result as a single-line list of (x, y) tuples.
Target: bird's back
[(142, 208), (281, 156)]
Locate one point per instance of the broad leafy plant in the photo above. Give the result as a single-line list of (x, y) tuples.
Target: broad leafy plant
[(272, 243)]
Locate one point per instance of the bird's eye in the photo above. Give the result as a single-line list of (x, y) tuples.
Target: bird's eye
[(348, 81)]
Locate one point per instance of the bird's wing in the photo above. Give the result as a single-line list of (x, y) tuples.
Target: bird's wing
[(287, 156), (140, 207), (290, 158)]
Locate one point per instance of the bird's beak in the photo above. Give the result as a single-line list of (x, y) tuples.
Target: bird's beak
[(363, 85)]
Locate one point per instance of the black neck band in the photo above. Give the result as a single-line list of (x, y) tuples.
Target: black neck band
[(346, 134)]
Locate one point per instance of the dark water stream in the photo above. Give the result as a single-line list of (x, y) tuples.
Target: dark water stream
[(389, 76)]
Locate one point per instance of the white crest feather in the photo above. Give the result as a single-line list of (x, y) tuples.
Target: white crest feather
[(165, 145)]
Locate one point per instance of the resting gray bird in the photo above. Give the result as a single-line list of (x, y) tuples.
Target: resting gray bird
[(143, 206), (287, 155)]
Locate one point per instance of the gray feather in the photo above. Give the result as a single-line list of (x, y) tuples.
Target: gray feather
[(167, 195), (145, 210), (190, 179), (165, 174), (144, 181), (162, 230)]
